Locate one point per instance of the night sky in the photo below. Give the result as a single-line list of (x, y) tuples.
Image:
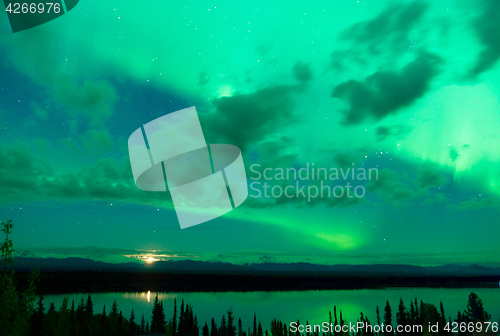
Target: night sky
[(408, 87)]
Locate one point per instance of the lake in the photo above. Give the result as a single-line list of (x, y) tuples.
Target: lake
[(289, 306)]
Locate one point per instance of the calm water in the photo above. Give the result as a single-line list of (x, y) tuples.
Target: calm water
[(289, 306)]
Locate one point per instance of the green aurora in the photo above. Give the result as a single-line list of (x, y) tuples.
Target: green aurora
[(408, 87)]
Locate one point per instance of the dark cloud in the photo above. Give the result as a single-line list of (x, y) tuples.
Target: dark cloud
[(302, 72), (18, 171), (383, 132), (24, 178), (435, 198), (487, 27), (97, 141), (386, 92), (30, 53), (389, 187), (275, 153), (341, 59), (391, 26), (94, 99), (387, 33), (203, 78), (243, 119), (343, 160), (430, 175), (476, 203), (453, 154), (87, 251)]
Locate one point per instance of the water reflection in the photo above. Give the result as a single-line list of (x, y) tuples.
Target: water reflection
[(312, 306)]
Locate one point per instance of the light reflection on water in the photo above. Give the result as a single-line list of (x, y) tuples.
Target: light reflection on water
[(312, 306)]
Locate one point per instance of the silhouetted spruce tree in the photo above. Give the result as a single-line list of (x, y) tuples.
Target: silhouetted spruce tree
[(158, 317), (114, 309), (174, 319), (431, 315), (89, 307), (143, 325), (330, 321), (442, 321), (231, 328), (341, 322), (63, 320), (335, 321), (223, 327), (132, 326), (388, 318), (459, 320), (475, 311), (277, 328), (412, 316), (367, 331), (72, 318), (15, 308), (169, 328), (104, 322), (297, 333), (213, 330), (51, 318), (181, 320), (401, 318), (240, 327), (7, 246), (259, 330), (254, 325), (120, 320), (38, 318), (162, 315), (193, 322), (378, 319), (421, 320), (205, 331)]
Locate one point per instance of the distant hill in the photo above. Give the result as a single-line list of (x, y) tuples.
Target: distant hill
[(82, 264)]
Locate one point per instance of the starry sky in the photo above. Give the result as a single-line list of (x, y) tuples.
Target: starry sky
[(408, 87)]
